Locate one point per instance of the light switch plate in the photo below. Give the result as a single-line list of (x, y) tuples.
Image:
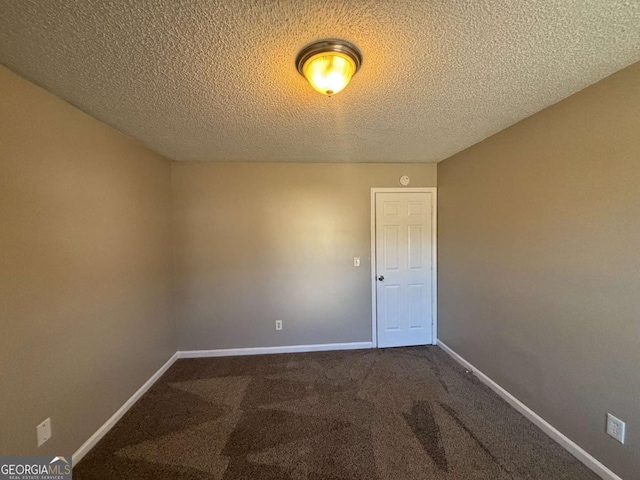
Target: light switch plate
[(356, 261), (43, 431)]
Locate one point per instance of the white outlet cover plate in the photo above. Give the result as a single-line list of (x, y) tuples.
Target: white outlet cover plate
[(278, 324), (615, 428), (43, 431)]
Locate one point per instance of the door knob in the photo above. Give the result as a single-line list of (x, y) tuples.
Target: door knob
[(381, 277)]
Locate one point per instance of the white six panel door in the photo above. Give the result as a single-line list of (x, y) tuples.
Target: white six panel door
[(404, 269)]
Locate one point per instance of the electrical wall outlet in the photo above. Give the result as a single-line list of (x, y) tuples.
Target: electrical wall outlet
[(278, 324), (43, 431), (615, 428), (356, 261)]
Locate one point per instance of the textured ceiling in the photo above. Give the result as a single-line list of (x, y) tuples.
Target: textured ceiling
[(215, 80)]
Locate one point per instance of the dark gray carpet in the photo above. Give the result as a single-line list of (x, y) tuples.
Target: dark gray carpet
[(404, 413)]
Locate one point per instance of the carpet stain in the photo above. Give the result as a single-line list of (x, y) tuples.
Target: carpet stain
[(425, 427), (452, 413)]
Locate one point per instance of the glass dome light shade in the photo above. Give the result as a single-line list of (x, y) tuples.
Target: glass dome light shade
[(329, 72)]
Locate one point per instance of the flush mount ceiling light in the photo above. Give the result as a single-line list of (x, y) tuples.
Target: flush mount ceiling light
[(328, 65)]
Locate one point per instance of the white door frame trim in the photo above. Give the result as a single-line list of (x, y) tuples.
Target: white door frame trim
[(434, 257)]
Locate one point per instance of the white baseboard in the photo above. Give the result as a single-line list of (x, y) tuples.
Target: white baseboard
[(230, 352), (108, 425), (568, 444)]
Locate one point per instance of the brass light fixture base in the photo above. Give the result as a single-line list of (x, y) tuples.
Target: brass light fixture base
[(338, 46)]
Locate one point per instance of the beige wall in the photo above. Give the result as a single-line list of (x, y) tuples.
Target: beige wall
[(260, 242), (539, 263), (85, 256)]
